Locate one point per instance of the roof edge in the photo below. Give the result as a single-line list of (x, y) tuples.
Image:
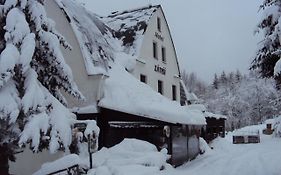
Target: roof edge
[(116, 13)]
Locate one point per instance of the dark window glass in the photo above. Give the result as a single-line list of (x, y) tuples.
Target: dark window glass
[(164, 54), (159, 24), (155, 50), (142, 78), (174, 91), (160, 87)]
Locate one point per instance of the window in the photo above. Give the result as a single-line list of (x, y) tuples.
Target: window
[(160, 87), (155, 55), (174, 92), (163, 54), (159, 24), (142, 78)]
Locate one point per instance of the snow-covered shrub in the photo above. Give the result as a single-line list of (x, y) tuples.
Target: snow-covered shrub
[(32, 74)]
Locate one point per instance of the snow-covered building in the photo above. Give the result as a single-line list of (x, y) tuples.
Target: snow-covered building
[(215, 122), (126, 66)]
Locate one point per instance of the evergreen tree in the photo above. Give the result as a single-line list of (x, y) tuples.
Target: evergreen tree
[(238, 77), (33, 72), (267, 60), (223, 78), (215, 82)]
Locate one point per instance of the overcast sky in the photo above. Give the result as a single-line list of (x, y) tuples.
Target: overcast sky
[(209, 35)]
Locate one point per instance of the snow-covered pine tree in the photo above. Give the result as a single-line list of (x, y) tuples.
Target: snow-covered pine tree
[(267, 60), (32, 73), (215, 82)]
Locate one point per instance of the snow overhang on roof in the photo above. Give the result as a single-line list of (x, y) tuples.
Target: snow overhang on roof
[(94, 37), (216, 116), (129, 26), (199, 107), (124, 93)]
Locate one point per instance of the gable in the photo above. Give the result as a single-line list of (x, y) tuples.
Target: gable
[(163, 38)]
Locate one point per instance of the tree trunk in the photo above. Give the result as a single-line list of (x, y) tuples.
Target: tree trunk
[(4, 160)]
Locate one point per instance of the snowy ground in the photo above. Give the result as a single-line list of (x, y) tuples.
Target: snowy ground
[(243, 159), (135, 157)]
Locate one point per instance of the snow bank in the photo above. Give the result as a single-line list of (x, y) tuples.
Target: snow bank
[(142, 100), (131, 156), (203, 146), (60, 164)]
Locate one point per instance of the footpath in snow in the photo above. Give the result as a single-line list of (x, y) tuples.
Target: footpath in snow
[(232, 159)]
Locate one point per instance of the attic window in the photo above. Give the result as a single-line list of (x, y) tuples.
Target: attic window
[(158, 24)]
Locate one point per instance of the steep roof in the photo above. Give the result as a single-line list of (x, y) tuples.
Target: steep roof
[(129, 26), (94, 37)]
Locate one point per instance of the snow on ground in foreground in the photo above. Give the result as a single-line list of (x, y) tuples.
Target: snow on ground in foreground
[(243, 159), (131, 156)]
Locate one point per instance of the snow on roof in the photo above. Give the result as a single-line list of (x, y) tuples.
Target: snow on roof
[(191, 96), (269, 121), (199, 107), (212, 115), (125, 93), (94, 37), (129, 26), (86, 109)]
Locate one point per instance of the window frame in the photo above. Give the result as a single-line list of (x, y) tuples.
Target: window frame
[(163, 54), (159, 24), (174, 92), (145, 78), (160, 87), (155, 50)]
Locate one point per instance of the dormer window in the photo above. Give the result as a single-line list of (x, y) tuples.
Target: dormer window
[(158, 24)]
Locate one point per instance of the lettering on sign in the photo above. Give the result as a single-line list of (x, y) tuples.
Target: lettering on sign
[(158, 36), (161, 70)]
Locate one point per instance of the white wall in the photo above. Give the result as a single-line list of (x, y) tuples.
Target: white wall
[(146, 53), (88, 85)]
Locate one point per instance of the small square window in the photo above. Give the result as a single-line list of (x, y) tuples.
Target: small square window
[(159, 24), (155, 51), (163, 54), (143, 78), (160, 87)]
